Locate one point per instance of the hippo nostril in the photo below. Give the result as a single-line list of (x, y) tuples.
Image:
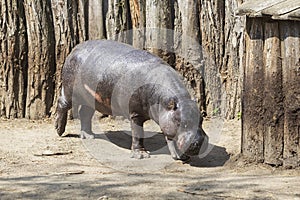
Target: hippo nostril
[(196, 145)]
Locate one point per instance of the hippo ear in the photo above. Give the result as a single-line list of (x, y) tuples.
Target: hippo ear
[(172, 104)]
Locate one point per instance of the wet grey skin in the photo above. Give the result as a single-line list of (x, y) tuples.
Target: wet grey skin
[(117, 79)]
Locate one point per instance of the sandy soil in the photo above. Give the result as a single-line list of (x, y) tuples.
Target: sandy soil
[(37, 164)]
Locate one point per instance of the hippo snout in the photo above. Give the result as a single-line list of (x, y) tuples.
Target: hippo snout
[(196, 146)]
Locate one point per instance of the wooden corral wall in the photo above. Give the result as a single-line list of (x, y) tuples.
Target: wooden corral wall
[(271, 95), (36, 36)]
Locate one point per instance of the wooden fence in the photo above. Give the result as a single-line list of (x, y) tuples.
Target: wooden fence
[(36, 36), (271, 95)]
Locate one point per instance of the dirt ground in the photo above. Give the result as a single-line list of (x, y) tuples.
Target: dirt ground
[(37, 164)]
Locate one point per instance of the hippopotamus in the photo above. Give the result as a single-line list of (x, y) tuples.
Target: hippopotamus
[(117, 79)]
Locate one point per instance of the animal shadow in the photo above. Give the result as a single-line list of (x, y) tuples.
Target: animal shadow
[(157, 145), (216, 157), (71, 136), (155, 142)]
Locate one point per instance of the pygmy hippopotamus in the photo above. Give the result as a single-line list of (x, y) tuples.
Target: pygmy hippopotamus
[(117, 79)]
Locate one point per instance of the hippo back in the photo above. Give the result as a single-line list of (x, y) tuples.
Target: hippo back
[(116, 71)]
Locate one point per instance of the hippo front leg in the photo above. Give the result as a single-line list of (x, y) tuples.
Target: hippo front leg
[(62, 114), (85, 114), (137, 147)]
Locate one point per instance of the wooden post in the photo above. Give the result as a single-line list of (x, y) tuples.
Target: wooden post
[(253, 110), (290, 37), (273, 97)]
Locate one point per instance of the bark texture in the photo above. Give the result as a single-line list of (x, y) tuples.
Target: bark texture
[(118, 21), (212, 28), (188, 50), (41, 58), (138, 19), (69, 31), (159, 34), (96, 21), (233, 60), (13, 59)]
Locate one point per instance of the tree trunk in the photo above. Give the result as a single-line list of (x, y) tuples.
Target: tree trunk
[(68, 33), (187, 48), (212, 28), (138, 18), (233, 60), (41, 58), (97, 12), (118, 21), (13, 59), (159, 25)]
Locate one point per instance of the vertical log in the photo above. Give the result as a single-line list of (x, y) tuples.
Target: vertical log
[(159, 25), (138, 18), (290, 37), (13, 59), (97, 13), (41, 58), (187, 39), (273, 100), (253, 111), (76, 13), (63, 41), (118, 21), (83, 19), (65, 37), (212, 28), (233, 60)]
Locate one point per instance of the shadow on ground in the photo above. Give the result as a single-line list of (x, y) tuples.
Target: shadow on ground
[(217, 156)]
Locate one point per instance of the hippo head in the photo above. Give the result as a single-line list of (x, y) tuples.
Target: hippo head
[(181, 122)]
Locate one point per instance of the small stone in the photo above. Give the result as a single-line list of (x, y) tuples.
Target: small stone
[(103, 198)]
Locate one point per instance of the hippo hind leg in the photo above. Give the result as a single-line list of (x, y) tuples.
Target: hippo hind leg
[(62, 113), (137, 148), (86, 114)]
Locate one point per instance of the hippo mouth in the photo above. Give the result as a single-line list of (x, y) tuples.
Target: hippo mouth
[(197, 146), (197, 149)]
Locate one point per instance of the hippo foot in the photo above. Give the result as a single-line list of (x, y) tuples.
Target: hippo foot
[(87, 135), (139, 154), (60, 127), (184, 158), (59, 130)]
